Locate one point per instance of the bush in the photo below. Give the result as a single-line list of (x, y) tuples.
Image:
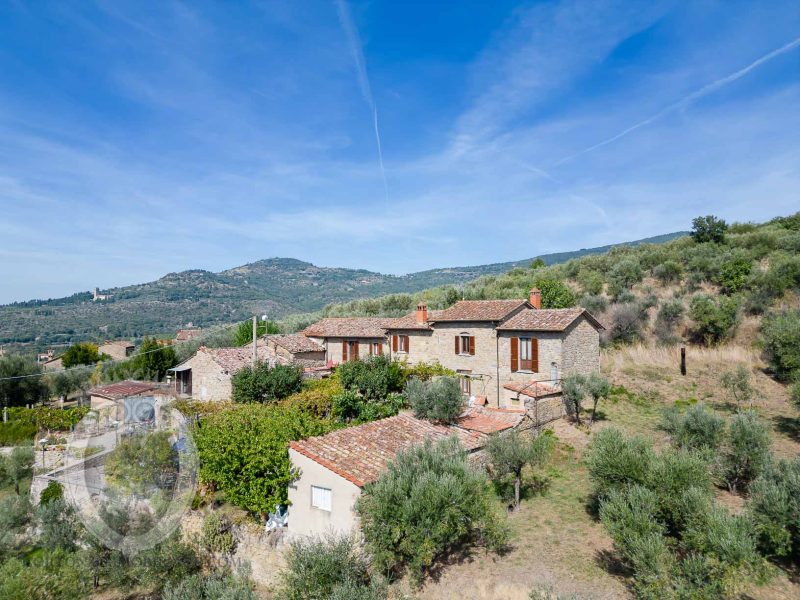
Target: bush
[(747, 452), (428, 503), (217, 586), (677, 476), (17, 433), (349, 407), (734, 274), (17, 466), (709, 229), (373, 378), (427, 371), (668, 272), (439, 400), (714, 320), (216, 535), (46, 574), (669, 317), (616, 462), (594, 304), (244, 451), (53, 491), (266, 384), (794, 394), (316, 397), (316, 567), (774, 507), (782, 343), (626, 324), (84, 353), (58, 525), (697, 429)]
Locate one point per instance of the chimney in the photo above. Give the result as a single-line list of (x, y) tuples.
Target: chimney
[(536, 298), (422, 313)]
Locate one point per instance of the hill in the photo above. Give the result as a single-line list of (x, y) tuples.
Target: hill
[(276, 287)]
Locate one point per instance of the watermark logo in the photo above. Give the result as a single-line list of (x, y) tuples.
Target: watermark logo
[(131, 472)]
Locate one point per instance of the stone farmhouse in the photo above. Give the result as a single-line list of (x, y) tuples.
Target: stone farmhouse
[(207, 374), (506, 351), (349, 338), (335, 467)]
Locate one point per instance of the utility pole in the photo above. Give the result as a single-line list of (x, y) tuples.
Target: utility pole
[(255, 327)]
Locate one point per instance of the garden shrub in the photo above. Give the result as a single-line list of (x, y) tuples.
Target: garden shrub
[(439, 400), (316, 397), (316, 567), (714, 320), (429, 502), (782, 343), (774, 507), (216, 535), (427, 371), (53, 491), (264, 383), (747, 450), (17, 433), (46, 574), (373, 378), (350, 407)]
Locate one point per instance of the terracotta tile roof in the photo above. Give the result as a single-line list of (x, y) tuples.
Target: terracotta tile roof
[(532, 389), (123, 389), (120, 343), (488, 420), (360, 454), (364, 327), (410, 321), (478, 310), (296, 343), (187, 334), (234, 359), (546, 319)]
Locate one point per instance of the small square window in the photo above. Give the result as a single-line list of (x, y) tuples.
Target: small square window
[(321, 498)]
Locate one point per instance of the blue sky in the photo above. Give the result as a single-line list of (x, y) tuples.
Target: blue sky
[(142, 138)]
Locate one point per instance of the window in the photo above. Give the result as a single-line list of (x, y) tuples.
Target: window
[(402, 343), (375, 348), (349, 350), (320, 498), (465, 385), (465, 344), (525, 356)]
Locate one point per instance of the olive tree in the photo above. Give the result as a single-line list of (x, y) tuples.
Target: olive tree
[(511, 451)]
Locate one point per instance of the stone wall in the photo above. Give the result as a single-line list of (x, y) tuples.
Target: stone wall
[(210, 382), (333, 347), (581, 348)]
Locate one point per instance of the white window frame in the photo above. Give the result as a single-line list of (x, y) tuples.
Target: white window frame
[(376, 348), (321, 498)]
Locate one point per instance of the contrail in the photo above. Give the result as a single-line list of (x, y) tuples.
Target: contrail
[(703, 91), (354, 40)]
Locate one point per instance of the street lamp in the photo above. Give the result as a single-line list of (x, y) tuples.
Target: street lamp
[(43, 443)]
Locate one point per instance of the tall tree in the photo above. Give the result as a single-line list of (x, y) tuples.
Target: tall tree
[(244, 333), (709, 229), (84, 353), (153, 359)]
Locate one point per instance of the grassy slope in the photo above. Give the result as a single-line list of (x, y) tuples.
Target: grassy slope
[(558, 543)]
